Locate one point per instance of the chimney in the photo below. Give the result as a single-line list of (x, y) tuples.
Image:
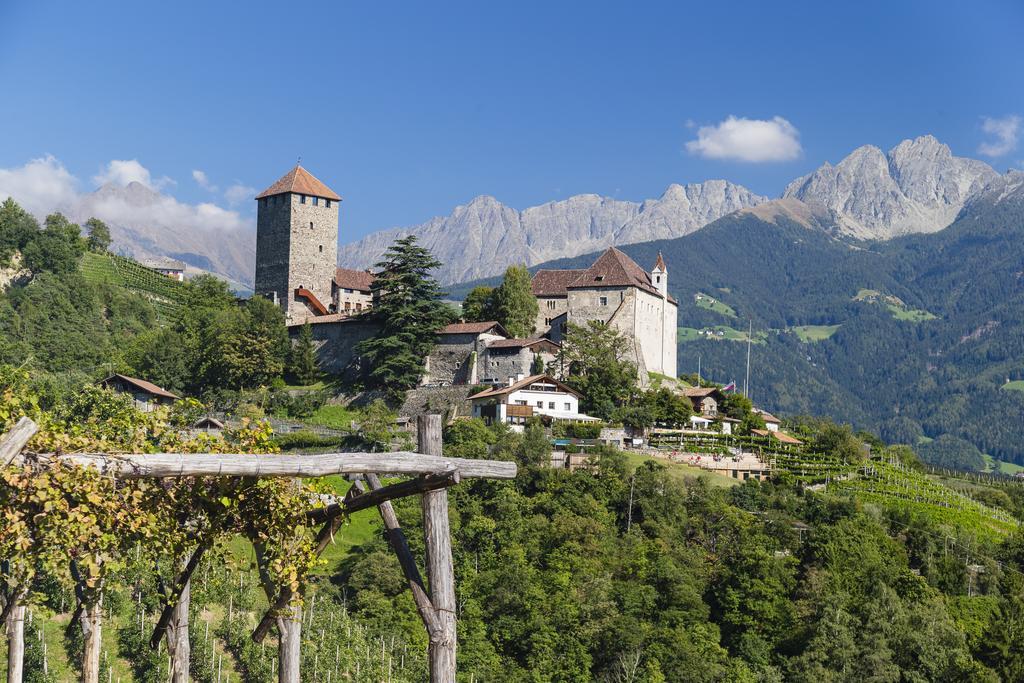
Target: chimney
[(511, 380), (520, 377)]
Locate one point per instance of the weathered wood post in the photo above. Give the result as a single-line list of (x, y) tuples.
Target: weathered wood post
[(179, 645), (11, 445), (16, 643), (440, 567)]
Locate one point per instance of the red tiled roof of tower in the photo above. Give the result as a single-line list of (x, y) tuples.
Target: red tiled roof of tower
[(660, 263), (554, 282), (359, 280), (299, 181)]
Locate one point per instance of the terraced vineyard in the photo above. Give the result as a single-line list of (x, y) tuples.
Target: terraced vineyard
[(162, 291), (893, 486), (887, 484)]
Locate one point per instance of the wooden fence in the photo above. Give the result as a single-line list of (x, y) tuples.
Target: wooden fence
[(432, 474)]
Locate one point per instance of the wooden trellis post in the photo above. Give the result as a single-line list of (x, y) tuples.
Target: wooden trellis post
[(433, 474)]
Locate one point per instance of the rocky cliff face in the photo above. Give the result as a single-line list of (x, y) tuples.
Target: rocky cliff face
[(919, 186), (484, 237)]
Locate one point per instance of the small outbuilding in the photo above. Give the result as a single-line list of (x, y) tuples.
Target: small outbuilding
[(145, 395)]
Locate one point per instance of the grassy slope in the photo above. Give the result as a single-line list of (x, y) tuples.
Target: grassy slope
[(1016, 385), (704, 301), (815, 333), (680, 470)]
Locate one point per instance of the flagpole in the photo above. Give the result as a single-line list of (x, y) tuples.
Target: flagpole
[(746, 382)]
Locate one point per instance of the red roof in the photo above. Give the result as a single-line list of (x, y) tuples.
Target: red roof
[(614, 269), (519, 343), (523, 383), (611, 269), (299, 181), (660, 263), (148, 387), (474, 328), (361, 280), (554, 282)]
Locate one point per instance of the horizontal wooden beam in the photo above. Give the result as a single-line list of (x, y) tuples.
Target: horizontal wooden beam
[(158, 465), (421, 484)]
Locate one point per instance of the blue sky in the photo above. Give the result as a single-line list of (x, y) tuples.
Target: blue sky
[(408, 109)]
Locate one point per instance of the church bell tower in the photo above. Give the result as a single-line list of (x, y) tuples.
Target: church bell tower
[(297, 244)]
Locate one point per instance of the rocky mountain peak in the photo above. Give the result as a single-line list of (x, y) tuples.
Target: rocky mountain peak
[(918, 186)]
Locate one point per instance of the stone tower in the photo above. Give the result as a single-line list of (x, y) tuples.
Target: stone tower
[(297, 244)]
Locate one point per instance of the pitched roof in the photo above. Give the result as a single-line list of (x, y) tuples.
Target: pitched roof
[(766, 416), (148, 387), (523, 383), (780, 436), (554, 282), (164, 263), (660, 263), (614, 269), (519, 343), (346, 278), (300, 181), (474, 328), (700, 392)]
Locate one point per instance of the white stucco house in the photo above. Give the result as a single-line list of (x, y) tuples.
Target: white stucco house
[(526, 397)]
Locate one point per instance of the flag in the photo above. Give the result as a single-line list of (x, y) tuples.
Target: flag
[(731, 386)]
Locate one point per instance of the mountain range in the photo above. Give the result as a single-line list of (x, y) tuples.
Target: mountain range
[(916, 187)]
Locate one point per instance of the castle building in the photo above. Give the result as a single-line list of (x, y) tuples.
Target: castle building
[(618, 292), (297, 244)]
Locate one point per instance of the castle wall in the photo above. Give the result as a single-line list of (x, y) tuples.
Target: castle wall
[(314, 250), (549, 308), (273, 238), (336, 341)]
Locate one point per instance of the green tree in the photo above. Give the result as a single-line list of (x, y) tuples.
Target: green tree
[(594, 358), (378, 426), (56, 248), (409, 311), (514, 302), (478, 306), (302, 362), (99, 235), (17, 228)]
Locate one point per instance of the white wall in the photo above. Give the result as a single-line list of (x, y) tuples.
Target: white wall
[(559, 398)]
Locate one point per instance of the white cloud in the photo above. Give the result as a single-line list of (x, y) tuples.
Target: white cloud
[(749, 140), (203, 181), (1006, 132), (238, 193), (40, 186), (124, 171), (44, 185)]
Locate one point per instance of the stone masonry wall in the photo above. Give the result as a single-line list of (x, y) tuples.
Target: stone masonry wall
[(548, 309), (273, 234), (314, 250), (336, 341)]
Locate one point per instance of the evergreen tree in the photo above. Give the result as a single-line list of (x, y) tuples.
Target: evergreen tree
[(302, 360), (515, 303), (478, 305), (409, 311)]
